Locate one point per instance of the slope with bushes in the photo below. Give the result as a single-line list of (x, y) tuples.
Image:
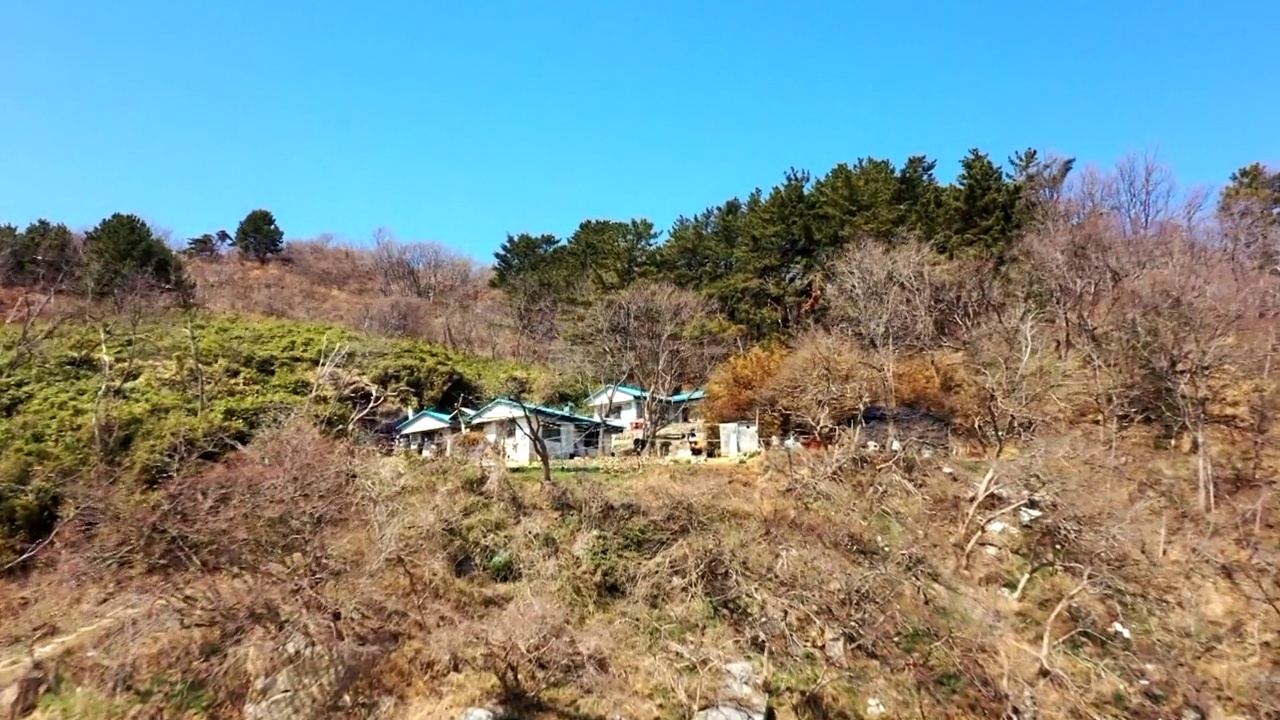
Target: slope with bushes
[(1063, 583), (143, 397)]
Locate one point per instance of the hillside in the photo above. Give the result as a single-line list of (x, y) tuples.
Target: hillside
[(145, 396), (1025, 465), (859, 585)]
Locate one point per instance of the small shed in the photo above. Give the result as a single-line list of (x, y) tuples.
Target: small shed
[(739, 438)]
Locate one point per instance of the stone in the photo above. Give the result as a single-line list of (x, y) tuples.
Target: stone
[(20, 698), (726, 713), (311, 678), (740, 698), (833, 647), (480, 714)]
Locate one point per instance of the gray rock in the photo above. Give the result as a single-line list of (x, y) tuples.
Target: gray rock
[(740, 698), (21, 698), (489, 713), (727, 713)]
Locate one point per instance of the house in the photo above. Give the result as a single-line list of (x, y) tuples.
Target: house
[(509, 424), (623, 403), (626, 404), (683, 405), (432, 432)]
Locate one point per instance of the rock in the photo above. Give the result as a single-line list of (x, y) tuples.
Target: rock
[(833, 647), (311, 678), (20, 698), (482, 714), (726, 713), (740, 698)]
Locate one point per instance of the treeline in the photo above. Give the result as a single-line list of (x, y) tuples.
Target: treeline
[(761, 260), (120, 253)]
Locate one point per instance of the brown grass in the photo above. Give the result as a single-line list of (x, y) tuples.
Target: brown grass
[(322, 281), (850, 575)]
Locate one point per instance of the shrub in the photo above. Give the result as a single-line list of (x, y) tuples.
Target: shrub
[(173, 397)]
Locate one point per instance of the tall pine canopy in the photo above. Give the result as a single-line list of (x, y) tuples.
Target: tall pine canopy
[(123, 250), (258, 236)]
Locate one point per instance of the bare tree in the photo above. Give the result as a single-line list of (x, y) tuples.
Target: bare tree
[(446, 282), (1182, 331), (1142, 194), (826, 384), (656, 336), (882, 295), (526, 394)]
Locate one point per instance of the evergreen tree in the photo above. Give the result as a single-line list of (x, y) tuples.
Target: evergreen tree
[(17, 256), (983, 209), (258, 236), (608, 255), (1254, 188), (208, 244), (526, 260), (123, 250), (1249, 213), (55, 249)]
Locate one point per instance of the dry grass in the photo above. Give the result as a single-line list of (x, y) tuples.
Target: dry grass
[(322, 281), (850, 576)]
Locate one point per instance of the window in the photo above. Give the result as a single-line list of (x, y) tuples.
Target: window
[(549, 431), (509, 429)]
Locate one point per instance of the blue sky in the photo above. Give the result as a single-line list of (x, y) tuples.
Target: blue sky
[(461, 122)]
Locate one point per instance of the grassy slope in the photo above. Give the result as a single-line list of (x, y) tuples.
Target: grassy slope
[(151, 422), (844, 575), (847, 576)]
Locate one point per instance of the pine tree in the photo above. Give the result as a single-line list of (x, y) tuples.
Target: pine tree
[(122, 250), (258, 236)]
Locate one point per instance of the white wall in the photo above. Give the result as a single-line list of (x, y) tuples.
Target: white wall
[(738, 439), (625, 407), (519, 449)]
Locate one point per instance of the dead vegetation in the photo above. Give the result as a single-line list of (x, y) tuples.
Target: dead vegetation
[(1061, 579), (416, 290)]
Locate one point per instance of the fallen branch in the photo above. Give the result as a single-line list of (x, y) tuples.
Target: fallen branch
[(1045, 669)]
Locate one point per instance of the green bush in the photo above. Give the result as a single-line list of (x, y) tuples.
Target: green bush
[(151, 420)]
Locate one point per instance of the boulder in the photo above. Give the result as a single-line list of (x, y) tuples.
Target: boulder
[(20, 698), (307, 679), (741, 697)]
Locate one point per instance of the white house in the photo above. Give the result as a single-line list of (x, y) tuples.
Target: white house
[(625, 403), (506, 424), (432, 432)]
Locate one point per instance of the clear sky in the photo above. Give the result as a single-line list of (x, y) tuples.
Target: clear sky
[(464, 121)]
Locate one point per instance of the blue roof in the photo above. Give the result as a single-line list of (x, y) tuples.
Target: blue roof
[(636, 392), (631, 390), (688, 396), (433, 414), (552, 412)]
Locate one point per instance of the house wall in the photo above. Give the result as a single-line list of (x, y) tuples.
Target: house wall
[(515, 447), (625, 407), (738, 439), (625, 410), (432, 442), (519, 449)]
